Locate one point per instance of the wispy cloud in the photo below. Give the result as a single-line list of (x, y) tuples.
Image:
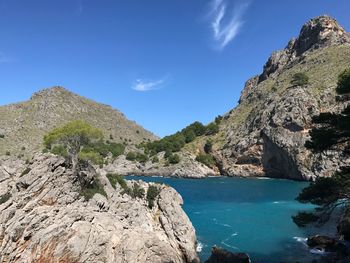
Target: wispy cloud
[(80, 8), (144, 85), (226, 21)]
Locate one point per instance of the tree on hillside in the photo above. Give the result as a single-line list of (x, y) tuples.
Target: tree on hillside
[(300, 79), (71, 139), (332, 131)]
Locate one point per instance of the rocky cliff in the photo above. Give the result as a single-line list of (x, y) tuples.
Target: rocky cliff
[(45, 217), (265, 134), (23, 125)]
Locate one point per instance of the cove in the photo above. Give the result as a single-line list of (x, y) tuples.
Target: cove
[(245, 215)]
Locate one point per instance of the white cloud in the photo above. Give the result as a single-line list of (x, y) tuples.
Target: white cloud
[(142, 85), (226, 26)]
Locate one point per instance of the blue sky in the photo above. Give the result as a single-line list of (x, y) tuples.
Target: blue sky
[(163, 63)]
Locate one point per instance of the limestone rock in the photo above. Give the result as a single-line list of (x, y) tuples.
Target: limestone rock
[(265, 134), (48, 220), (319, 32)]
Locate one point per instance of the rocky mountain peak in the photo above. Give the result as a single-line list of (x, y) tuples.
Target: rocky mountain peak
[(51, 92), (320, 32)]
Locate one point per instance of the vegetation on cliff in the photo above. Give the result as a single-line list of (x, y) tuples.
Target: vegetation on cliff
[(78, 140), (331, 131)]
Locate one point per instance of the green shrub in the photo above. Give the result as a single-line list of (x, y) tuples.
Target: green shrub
[(175, 142), (206, 159), (8, 153), (116, 149), (208, 146), (23, 148), (95, 188), (189, 136), (137, 191), (152, 193), (121, 181), (26, 171), (104, 149), (174, 158), (140, 157), (93, 157), (155, 159), (114, 179), (300, 79), (302, 219), (131, 156), (218, 119), (2, 136), (212, 128), (59, 150), (4, 198), (344, 82)]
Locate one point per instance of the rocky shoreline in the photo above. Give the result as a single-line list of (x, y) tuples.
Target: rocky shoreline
[(45, 219)]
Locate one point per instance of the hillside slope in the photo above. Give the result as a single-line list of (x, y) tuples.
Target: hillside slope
[(23, 125), (265, 134)]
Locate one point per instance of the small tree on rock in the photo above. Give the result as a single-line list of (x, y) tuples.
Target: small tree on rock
[(72, 138)]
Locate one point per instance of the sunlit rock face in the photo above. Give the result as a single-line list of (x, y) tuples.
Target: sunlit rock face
[(46, 219)]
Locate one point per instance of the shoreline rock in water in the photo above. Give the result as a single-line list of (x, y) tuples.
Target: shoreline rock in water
[(46, 219), (336, 251), (219, 255)]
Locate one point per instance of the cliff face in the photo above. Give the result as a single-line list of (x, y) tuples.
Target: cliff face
[(23, 125), (44, 218), (265, 134)]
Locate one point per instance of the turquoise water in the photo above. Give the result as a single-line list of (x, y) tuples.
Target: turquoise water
[(249, 215)]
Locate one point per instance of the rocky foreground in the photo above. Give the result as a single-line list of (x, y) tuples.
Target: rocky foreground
[(45, 218)]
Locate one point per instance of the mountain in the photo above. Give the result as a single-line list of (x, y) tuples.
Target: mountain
[(23, 125), (265, 134)]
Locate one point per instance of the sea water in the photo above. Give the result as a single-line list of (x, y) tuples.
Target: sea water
[(245, 215)]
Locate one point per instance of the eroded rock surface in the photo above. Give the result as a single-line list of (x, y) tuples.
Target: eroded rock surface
[(46, 219), (265, 134)]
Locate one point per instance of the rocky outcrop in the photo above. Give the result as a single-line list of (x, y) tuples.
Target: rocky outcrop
[(344, 224), (219, 255), (266, 133), (319, 32), (187, 168), (333, 249), (48, 219)]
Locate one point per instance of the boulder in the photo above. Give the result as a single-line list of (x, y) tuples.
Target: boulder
[(219, 255), (327, 244)]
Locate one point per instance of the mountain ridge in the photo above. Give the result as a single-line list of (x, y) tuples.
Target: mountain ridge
[(264, 135), (24, 124)]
